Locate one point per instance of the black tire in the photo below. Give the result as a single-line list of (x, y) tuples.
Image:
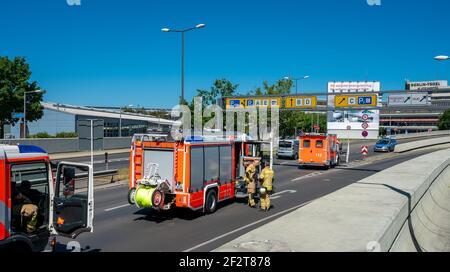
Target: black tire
[(211, 202), (132, 196)]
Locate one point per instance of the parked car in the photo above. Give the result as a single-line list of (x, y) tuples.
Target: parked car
[(288, 149), (385, 145)]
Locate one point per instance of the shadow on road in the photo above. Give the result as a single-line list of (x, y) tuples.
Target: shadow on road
[(177, 213)]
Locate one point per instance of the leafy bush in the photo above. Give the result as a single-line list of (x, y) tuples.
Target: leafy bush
[(41, 135), (66, 135), (444, 121)]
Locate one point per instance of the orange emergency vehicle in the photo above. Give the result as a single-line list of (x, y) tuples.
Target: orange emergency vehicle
[(194, 173), (319, 150), (61, 209)]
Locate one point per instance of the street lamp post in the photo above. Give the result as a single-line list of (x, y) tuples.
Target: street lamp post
[(183, 31), (296, 81), (120, 119), (25, 110)]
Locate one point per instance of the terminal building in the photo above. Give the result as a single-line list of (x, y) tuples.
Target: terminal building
[(59, 118), (421, 119)]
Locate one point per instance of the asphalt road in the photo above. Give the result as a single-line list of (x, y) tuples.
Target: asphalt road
[(121, 227), (121, 160)]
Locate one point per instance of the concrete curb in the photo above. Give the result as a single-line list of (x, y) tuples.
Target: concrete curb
[(365, 216)]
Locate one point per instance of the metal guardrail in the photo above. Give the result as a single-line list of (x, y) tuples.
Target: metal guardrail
[(98, 174)]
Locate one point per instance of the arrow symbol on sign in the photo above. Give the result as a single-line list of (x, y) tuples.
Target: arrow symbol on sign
[(407, 99), (425, 97), (342, 101)]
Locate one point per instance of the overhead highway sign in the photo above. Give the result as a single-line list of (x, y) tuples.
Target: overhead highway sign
[(356, 101), (409, 99), (301, 102)]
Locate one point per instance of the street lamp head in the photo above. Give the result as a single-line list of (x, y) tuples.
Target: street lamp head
[(165, 29), (306, 77), (441, 58), (287, 78), (35, 92), (200, 26)]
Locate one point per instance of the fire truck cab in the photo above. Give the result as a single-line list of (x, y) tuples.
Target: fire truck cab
[(194, 173), (63, 209), (319, 150)]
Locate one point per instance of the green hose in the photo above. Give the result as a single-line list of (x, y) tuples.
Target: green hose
[(144, 196)]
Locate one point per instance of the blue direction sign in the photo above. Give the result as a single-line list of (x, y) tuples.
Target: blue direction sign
[(365, 100), (235, 103), (17, 115)]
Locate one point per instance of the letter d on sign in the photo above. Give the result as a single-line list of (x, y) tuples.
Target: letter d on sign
[(374, 2)]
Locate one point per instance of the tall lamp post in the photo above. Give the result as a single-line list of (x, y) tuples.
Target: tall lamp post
[(296, 81), (182, 31), (120, 119), (25, 110)]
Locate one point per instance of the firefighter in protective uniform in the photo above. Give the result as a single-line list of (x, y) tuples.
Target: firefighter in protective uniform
[(23, 207), (250, 172), (266, 177)]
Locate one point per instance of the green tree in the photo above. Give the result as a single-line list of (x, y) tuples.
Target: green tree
[(290, 121), (14, 82), (444, 121), (220, 88), (282, 86)]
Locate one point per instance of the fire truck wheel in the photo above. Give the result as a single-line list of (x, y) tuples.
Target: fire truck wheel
[(132, 196), (211, 201), (158, 199)]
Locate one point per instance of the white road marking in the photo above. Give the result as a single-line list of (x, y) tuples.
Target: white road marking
[(285, 191), (309, 176), (246, 226), (284, 163), (116, 208)]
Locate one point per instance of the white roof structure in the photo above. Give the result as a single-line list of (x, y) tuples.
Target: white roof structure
[(84, 111)]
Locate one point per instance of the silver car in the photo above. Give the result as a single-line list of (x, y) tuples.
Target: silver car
[(288, 149)]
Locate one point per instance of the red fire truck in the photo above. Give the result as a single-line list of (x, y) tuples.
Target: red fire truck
[(194, 173), (62, 208)]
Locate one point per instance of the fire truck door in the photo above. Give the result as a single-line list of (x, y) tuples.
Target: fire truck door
[(72, 205)]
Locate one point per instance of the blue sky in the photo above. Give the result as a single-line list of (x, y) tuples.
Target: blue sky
[(112, 52)]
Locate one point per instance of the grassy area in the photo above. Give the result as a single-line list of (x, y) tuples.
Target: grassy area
[(122, 174)]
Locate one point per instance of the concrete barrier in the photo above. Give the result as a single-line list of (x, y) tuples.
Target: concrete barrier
[(421, 144), (370, 215), (423, 134), (428, 227), (116, 143), (49, 145)]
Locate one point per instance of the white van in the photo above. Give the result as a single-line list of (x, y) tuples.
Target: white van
[(288, 149)]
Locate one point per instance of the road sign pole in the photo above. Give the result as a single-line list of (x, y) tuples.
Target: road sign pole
[(348, 146), (92, 143)]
